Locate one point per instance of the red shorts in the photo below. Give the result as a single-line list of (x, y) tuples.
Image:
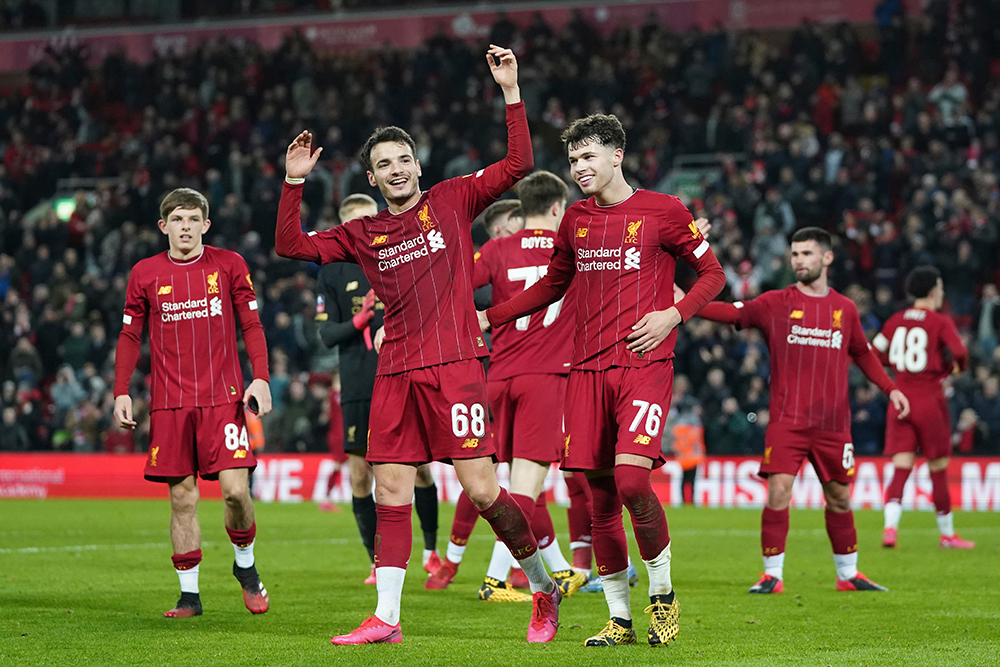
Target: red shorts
[(831, 453), (528, 410), (438, 413), (203, 441), (616, 411), (927, 429)]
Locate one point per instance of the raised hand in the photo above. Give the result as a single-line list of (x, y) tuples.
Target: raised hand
[(300, 157), (704, 226), (504, 71)]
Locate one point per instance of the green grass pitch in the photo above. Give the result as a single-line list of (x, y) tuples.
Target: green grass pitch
[(86, 582)]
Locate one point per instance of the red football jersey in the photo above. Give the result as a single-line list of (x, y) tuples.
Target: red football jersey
[(192, 331), (621, 259), (539, 343), (921, 345), (418, 261), (812, 340)]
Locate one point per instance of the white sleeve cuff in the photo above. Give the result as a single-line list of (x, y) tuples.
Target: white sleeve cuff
[(294, 181)]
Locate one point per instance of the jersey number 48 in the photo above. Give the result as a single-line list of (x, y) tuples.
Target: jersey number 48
[(908, 350)]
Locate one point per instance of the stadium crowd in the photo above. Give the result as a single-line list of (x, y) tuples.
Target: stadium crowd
[(892, 142)]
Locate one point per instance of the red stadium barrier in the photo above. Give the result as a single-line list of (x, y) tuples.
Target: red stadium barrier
[(722, 481), (410, 28)]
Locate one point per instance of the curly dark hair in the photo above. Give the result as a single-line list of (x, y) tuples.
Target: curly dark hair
[(390, 134), (604, 129)]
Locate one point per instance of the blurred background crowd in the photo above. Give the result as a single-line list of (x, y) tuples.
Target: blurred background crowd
[(887, 135)]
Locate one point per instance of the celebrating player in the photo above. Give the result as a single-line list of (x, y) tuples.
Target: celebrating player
[(812, 332), (348, 312), (196, 423), (430, 394), (527, 375), (923, 346), (620, 244)]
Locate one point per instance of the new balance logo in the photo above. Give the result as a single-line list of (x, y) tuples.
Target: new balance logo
[(166, 289), (436, 240), (632, 256), (470, 443), (642, 439), (380, 239)]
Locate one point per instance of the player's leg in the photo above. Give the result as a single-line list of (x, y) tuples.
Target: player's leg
[(934, 431), (642, 399), (902, 463), (901, 442), (844, 538), (393, 543), (611, 558), (578, 518), (687, 485), (784, 451), (363, 504), (461, 529), (942, 505), (508, 521), (527, 487), (242, 529), (185, 536), (652, 534), (425, 496), (774, 532)]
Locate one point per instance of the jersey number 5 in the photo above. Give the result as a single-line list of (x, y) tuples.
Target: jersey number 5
[(908, 350), (530, 275)]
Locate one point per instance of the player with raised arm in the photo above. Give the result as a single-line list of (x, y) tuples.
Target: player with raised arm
[(619, 248), (812, 333), (189, 295), (430, 390), (923, 347), (527, 375), (347, 313)]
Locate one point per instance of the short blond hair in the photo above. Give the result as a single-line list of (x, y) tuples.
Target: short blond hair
[(352, 202), (184, 198)]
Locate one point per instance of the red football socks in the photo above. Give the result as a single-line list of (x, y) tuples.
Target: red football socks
[(243, 538), (578, 516), (648, 518), (393, 535), (939, 486), (840, 528), (608, 532), (895, 490), (541, 522), (464, 521), (507, 520), (187, 560), (773, 531)]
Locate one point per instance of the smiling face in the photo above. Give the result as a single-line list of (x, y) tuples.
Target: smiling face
[(395, 172), (809, 261), (592, 165), (184, 228)]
